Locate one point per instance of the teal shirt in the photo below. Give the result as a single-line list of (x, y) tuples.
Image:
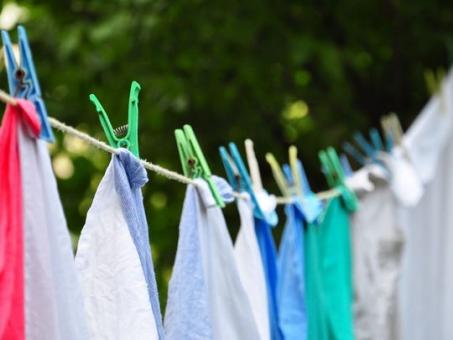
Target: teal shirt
[(328, 275)]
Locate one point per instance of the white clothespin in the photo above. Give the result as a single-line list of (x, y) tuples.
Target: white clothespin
[(253, 166)]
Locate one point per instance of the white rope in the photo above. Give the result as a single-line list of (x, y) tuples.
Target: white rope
[(103, 146), (157, 168), (5, 97)]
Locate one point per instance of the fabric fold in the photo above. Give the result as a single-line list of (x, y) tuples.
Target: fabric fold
[(250, 266), (116, 280), (53, 299), (206, 299), (291, 277), (130, 176), (12, 314)]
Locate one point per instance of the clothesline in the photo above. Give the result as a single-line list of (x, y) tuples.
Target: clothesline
[(172, 175)]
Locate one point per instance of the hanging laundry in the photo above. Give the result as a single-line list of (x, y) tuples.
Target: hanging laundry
[(264, 218), (291, 277), (304, 208), (426, 297), (269, 257), (114, 258), (206, 298), (378, 243), (378, 240), (12, 325), (54, 304), (250, 266), (328, 274)]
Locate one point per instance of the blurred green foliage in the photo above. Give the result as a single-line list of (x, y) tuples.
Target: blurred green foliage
[(307, 73)]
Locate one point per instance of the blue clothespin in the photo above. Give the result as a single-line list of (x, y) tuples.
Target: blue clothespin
[(304, 180), (354, 153), (231, 170), (244, 183), (346, 165), (376, 139), (369, 150), (388, 141), (22, 78)]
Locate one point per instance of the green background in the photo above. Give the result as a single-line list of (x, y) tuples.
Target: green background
[(308, 73)]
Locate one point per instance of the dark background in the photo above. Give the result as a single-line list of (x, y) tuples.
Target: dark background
[(308, 73)]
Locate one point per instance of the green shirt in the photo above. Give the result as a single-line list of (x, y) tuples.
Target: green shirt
[(328, 275)]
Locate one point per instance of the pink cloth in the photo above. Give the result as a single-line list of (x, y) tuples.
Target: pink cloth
[(12, 326)]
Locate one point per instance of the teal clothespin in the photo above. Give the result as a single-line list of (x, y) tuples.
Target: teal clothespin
[(336, 177), (193, 162), (326, 168), (125, 136)]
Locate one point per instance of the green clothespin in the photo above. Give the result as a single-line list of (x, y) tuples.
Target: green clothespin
[(336, 177), (339, 177), (278, 175), (193, 162), (326, 168), (125, 136)]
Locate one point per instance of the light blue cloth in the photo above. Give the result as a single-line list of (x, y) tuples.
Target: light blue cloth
[(130, 176), (269, 258), (188, 305), (206, 300), (291, 277)]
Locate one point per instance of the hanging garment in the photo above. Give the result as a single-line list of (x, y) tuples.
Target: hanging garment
[(250, 267), (206, 299), (130, 176), (12, 325), (118, 291), (378, 242), (328, 274), (425, 289), (54, 305), (269, 258), (292, 307), (315, 299)]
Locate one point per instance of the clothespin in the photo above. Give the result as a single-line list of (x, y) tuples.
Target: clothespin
[(354, 153), (295, 166), (327, 169), (280, 179), (364, 145), (245, 182), (370, 150), (392, 129), (308, 203), (433, 80), (347, 169), (253, 165), (125, 136), (376, 139), (22, 79), (231, 170), (306, 189), (336, 177), (193, 162)]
